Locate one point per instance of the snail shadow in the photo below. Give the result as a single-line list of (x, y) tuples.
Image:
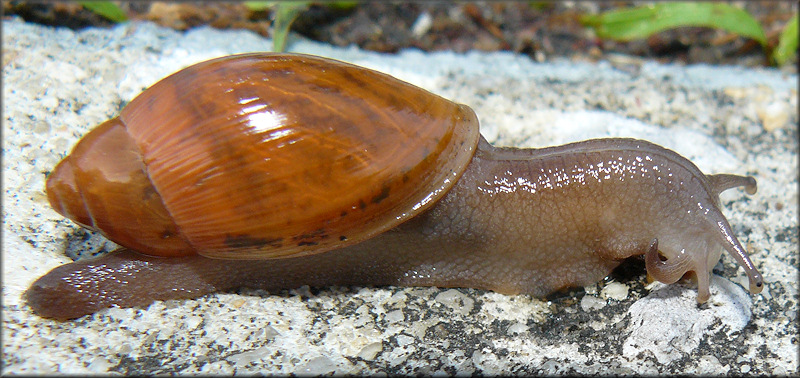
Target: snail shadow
[(631, 272), (303, 292)]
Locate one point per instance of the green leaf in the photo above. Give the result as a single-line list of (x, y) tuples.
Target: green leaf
[(105, 9), (641, 22), (787, 45), (540, 5), (259, 5), (285, 13), (262, 5), (341, 5)]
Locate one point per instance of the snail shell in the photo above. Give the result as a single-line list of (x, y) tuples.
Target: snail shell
[(264, 155)]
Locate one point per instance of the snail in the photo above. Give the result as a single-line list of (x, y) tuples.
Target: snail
[(275, 171)]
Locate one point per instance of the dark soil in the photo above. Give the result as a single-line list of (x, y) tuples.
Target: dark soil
[(541, 30)]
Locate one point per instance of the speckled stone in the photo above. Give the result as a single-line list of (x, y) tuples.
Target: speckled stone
[(59, 83)]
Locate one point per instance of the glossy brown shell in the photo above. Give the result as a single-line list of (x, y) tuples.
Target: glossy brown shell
[(265, 155)]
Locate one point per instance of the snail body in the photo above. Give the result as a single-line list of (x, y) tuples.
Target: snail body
[(434, 204)]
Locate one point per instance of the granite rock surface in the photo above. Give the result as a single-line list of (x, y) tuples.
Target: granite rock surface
[(59, 83)]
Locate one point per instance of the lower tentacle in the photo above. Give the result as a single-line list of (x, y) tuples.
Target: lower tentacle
[(668, 271), (703, 283)]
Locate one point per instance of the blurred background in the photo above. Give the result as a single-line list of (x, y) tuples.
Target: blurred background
[(747, 33)]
